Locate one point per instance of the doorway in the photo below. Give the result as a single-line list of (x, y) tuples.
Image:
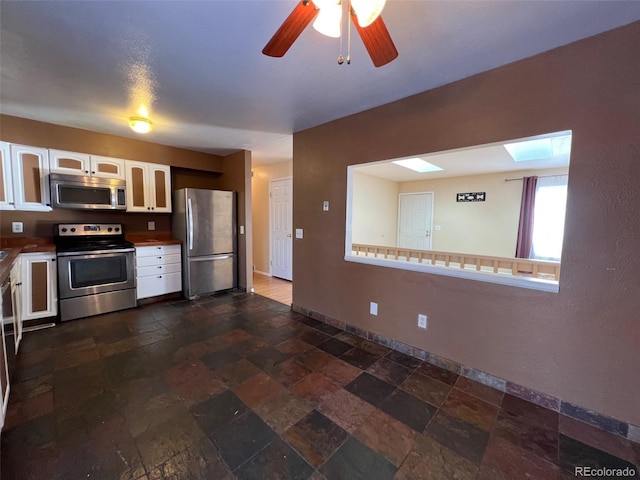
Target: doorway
[(281, 227), (415, 218)]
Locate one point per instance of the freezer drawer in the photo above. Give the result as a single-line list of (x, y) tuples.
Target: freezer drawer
[(209, 274)]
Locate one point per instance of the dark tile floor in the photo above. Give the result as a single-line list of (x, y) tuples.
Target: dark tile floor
[(238, 386)]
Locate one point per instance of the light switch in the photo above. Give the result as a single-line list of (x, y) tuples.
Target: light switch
[(438, 228), (325, 206), (298, 233), (241, 229), (151, 225), (16, 227)]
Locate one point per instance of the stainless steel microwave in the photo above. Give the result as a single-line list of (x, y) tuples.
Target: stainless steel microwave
[(92, 193)]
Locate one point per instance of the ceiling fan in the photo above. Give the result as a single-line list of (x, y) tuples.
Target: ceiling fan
[(366, 18)]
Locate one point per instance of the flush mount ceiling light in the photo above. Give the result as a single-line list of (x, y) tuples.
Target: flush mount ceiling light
[(417, 165), (366, 18), (140, 124)]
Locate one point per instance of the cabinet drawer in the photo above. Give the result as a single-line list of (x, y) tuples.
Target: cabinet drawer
[(158, 250), (157, 260), (159, 285), (159, 269)]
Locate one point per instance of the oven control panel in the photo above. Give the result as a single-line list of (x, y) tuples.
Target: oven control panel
[(83, 229)]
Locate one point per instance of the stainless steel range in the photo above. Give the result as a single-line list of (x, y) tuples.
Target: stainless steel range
[(96, 269)]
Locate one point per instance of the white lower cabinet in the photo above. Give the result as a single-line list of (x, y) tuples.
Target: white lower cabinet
[(4, 373), (39, 285), (158, 270), (16, 299)]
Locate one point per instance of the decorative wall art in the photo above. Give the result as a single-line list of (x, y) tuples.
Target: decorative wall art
[(471, 197)]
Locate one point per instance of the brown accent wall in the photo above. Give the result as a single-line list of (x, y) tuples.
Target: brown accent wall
[(581, 344), (184, 178), (41, 224), (237, 177), (48, 135)]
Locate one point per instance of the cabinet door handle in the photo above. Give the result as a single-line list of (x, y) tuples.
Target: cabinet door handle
[(159, 276), (160, 266), (53, 259), (86, 171), (93, 173)]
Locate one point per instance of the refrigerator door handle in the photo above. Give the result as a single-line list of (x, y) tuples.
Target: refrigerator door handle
[(209, 258), (190, 223)]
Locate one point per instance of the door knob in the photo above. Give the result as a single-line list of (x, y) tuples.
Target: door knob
[(288, 235), (427, 233)]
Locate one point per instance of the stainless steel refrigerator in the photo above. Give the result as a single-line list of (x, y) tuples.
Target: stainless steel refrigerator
[(205, 221)]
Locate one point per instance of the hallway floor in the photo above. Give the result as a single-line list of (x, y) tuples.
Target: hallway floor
[(238, 386), (274, 288)]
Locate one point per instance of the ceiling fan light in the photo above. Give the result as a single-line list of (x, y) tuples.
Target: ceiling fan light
[(328, 20), (367, 10), (140, 124)]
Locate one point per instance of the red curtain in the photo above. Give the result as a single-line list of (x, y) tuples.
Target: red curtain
[(525, 226)]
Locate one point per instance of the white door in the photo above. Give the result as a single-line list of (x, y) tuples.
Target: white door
[(415, 212), (281, 219)]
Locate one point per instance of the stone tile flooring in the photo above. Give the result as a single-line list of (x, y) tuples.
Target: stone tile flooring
[(238, 386)]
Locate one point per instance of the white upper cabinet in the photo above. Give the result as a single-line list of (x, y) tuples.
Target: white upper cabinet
[(73, 163), (107, 167), (6, 183), (30, 178), (148, 187), (70, 163)]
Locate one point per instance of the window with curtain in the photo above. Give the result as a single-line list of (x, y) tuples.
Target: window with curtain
[(548, 217)]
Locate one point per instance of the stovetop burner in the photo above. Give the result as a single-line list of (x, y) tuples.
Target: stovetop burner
[(78, 237)]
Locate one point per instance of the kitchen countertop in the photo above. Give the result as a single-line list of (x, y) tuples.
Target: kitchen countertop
[(15, 246), (152, 239)]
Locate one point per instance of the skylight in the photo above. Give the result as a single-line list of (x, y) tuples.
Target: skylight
[(540, 148), (418, 165)]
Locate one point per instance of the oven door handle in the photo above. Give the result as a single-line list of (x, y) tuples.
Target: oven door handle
[(190, 223), (95, 252)]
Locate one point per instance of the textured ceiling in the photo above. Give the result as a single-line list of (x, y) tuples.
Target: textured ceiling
[(198, 69)]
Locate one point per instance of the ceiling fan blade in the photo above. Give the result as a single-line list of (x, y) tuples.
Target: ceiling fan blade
[(291, 29), (377, 41)]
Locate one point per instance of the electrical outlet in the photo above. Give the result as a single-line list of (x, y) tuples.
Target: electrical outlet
[(16, 227), (422, 321), (373, 308), (151, 225)]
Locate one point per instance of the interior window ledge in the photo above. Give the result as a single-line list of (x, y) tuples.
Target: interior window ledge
[(550, 286)]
